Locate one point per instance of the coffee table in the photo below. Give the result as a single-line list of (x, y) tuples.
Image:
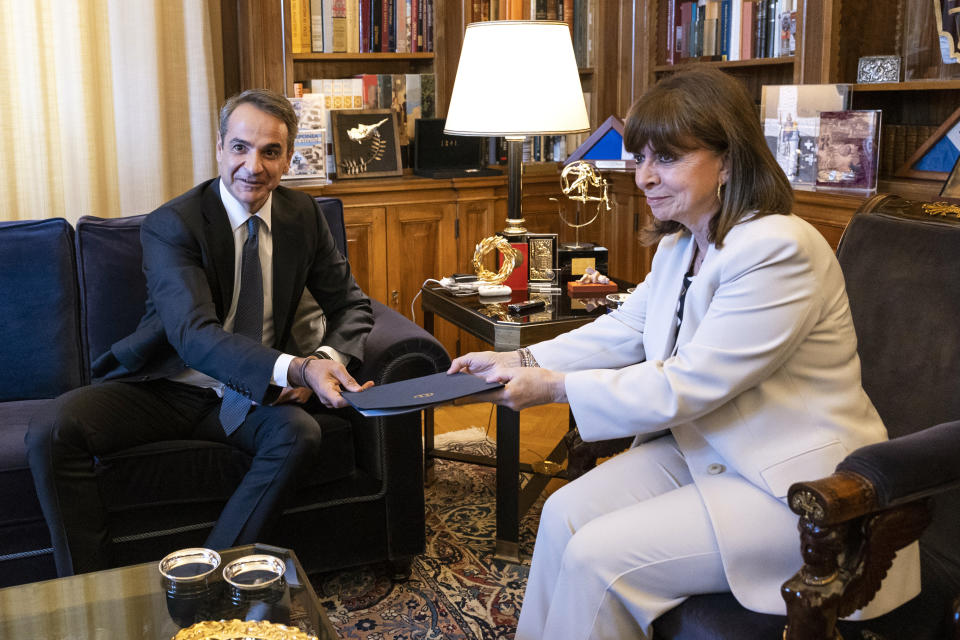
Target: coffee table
[(490, 321), (131, 603)]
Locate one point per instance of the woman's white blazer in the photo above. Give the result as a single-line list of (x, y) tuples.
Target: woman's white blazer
[(760, 387)]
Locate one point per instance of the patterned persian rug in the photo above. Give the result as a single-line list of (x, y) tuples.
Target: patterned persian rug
[(457, 590)]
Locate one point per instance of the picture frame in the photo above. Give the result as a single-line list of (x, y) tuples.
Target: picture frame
[(366, 143), (790, 116), (928, 161), (848, 150), (542, 258), (951, 186)]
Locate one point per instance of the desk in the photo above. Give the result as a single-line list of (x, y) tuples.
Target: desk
[(489, 321)]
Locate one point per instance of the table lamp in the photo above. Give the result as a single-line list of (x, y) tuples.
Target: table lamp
[(516, 78)]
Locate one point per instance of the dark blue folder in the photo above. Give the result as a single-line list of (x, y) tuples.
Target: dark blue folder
[(417, 393)]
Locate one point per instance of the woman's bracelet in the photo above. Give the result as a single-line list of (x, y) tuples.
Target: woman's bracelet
[(302, 374), (526, 358)]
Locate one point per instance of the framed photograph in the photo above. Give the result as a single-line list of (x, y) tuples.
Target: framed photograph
[(847, 149), (791, 122), (366, 144), (542, 258)]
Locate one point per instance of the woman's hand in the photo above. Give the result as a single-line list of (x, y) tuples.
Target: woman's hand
[(482, 362), (526, 387)]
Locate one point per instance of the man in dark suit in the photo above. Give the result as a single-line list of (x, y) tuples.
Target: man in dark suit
[(226, 264)]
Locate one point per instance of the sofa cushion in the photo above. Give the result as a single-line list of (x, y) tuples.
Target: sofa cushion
[(40, 332), (113, 289)]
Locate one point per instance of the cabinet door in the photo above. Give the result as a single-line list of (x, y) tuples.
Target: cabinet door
[(420, 245), (477, 219), (621, 226), (367, 247)]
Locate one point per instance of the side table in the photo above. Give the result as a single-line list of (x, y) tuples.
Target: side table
[(490, 321)]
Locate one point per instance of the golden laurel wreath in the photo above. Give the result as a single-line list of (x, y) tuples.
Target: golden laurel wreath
[(237, 629), (511, 259)]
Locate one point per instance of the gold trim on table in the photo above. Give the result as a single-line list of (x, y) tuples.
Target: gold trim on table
[(241, 629)]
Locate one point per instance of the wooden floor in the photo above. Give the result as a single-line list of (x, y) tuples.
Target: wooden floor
[(541, 428)]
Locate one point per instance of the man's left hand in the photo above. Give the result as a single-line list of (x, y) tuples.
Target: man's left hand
[(293, 395)]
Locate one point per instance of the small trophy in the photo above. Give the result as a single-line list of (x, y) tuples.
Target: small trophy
[(583, 184)]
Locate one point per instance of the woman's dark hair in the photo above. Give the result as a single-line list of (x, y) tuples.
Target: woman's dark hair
[(702, 108), (267, 101)]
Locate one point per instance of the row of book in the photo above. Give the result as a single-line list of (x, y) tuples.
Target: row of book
[(409, 95), (578, 14), (361, 26), (729, 29), (899, 142)]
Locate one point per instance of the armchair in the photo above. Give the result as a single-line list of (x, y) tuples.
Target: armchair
[(899, 260)]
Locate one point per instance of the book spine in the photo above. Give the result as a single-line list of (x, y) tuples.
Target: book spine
[(353, 26), (316, 26), (391, 25), (686, 28), (671, 35), (771, 28), (365, 8), (736, 20), (761, 29), (327, 10), (580, 32), (711, 13), (723, 30), (429, 25), (414, 25), (747, 31), (568, 14)]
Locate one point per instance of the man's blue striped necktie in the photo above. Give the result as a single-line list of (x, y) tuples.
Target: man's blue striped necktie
[(248, 321)]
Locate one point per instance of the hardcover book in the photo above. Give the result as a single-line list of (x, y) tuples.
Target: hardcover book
[(309, 147), (847, 149)]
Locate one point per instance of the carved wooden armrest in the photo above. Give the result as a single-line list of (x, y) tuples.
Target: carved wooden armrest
[(848, 543)]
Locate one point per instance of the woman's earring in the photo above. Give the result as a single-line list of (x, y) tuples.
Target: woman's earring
[(719, 195)]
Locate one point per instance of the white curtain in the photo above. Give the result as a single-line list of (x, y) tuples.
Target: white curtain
[(107, 107)]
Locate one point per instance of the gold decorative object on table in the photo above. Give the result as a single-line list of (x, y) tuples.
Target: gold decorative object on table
[(241, 630), (940, 209), (511, 259), (583, 184)]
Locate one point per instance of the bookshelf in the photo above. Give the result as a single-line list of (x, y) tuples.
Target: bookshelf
[(831, 36)]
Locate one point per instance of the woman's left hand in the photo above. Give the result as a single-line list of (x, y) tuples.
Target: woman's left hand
[(525, 387)]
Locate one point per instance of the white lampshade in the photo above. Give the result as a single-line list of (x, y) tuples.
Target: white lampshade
[(517, 78)]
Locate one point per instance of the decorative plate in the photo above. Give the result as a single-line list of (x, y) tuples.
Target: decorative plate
[(241, 630)]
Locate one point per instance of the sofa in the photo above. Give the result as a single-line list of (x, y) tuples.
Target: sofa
[(67, 294)]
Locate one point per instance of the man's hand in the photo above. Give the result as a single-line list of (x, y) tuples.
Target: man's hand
[(327, 378), (293, 395), (483, 362)]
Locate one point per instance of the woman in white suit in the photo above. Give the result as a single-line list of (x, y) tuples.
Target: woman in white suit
[(735, 365)]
